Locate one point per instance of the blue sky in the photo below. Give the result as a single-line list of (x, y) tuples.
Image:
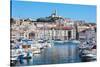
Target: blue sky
[(23, 9)]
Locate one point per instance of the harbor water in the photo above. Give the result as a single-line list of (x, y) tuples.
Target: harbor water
[(59, 53)]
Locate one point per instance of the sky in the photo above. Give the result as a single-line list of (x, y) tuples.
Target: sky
[(23, 9)]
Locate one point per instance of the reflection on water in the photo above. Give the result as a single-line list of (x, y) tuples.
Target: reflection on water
[(59, 53)]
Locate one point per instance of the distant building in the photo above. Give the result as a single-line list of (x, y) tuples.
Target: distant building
[(51, 18), (51, 27)]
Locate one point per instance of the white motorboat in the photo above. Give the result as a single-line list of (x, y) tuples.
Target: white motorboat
[(36, 49), (36, 52), (48, 44), (13, 57), (89, 56), (13, 60)]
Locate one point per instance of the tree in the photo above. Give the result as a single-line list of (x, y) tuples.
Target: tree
[(12, 21)]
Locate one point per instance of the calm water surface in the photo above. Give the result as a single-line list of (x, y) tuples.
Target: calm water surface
[(59, 53)]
